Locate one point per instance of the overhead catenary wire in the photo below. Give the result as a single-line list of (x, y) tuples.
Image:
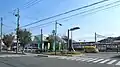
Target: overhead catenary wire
[(29, 2), (101, 10), (41, 24), (65, 13), (8, 26), (11, 30), (32, 4), (80, 13), (27, 5), (39, 27), (92, 10), (100, 36)]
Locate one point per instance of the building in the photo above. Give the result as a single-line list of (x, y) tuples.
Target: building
[(3, 45)]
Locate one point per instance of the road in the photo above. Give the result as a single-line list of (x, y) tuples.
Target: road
[(113, 55), (47, 62)]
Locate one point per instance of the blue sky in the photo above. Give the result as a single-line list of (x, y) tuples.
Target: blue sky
[(105, 22)]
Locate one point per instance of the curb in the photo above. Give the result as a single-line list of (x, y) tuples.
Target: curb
[(52, 56), (78, 55), (42, 56)]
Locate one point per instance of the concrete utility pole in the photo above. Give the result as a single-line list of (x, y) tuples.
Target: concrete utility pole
[(55, 35), (95, 37), (17, 30), (68, 46), (71, 42), (41, 40), (1, 34)]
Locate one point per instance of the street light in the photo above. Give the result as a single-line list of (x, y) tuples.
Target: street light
[(56, 23), (75, 28), (71, 29)]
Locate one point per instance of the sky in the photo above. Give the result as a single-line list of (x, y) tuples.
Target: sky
[(104, 22)]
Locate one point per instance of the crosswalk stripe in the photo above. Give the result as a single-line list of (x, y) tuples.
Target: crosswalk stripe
[(77, 59), (97, 60), (92, 60), (86, 59), (61, 57), (118, 63), (104, 61), (73, 58), (68, 58), (111, 61)]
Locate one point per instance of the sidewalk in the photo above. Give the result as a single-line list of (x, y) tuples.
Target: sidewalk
[(19, 54)]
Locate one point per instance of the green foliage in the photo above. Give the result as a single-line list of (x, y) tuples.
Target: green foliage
[(63, 46), (24, 36), (51, 41), (8, 39), (57, 46)]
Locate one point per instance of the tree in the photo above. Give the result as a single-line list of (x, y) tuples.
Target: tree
[(8, 39), (24, 37), (65, 38), (50, 39)]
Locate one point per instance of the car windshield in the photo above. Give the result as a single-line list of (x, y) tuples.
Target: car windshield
[(59, 33)]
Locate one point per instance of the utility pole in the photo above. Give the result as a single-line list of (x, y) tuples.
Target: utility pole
[(17, 30), (71, 42), (68, 46), (95, 37), (41, 40), (1, 34), (55, 35)]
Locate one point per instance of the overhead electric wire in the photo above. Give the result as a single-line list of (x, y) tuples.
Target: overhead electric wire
[(100, 36), (65, 13), (42, 24), (32, 4), (11, 30), (101, 10), (29, 2), (79, 13), (40, 27), (7, 26), (92, 10)]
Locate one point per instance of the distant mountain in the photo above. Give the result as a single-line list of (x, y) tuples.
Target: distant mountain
[(109, 39)]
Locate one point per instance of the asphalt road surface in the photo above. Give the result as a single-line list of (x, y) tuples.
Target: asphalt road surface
[(47, 62), (103, 55)]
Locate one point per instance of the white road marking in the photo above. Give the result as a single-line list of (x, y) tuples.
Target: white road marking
[(74, 58), (68, 58), (92, 60), (97, 60), (62, 57), (77, 59), (118, 63), (111, 61), (104, 61), (86, 59)]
